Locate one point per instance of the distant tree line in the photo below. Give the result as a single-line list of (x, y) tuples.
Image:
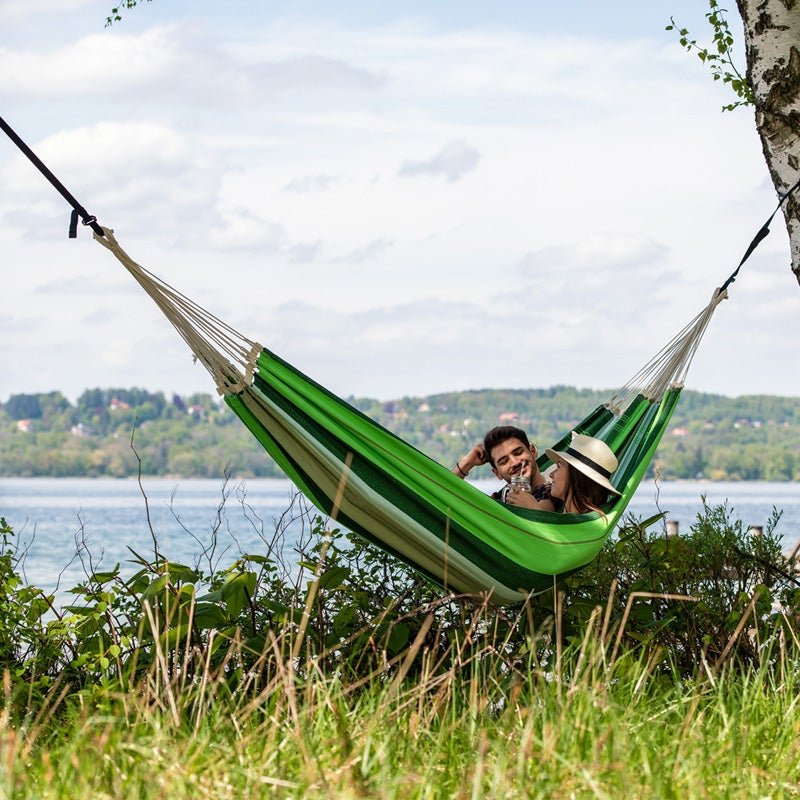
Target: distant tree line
[(753, 437)]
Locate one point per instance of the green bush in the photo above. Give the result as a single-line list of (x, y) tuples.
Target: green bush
[(709, 598), (726, 575)]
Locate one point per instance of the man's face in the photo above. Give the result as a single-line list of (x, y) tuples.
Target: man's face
[(510, 458)]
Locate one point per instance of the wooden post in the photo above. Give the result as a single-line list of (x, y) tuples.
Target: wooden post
[(672, 527)]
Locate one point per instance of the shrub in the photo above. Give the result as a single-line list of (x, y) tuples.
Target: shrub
[(348, 609)]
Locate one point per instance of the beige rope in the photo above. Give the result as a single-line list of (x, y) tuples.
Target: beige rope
[(669, 367), (229, 356)]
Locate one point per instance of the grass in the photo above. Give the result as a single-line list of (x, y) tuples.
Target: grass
[(484, 724)]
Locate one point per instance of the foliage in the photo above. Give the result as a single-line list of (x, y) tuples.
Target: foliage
[(614, 731), (719, 57), (732, 577), (348, 675), (351, 610), (754, 437), (115, 15)]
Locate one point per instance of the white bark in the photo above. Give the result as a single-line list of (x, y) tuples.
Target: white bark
[(772, 49)]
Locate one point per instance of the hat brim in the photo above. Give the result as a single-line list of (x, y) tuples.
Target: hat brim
[(553, 455)]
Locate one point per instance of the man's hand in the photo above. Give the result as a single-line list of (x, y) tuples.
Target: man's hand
[(474, 458), (521, 499)]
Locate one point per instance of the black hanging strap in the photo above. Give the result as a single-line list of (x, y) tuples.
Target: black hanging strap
[(758, 238), (77, 209)]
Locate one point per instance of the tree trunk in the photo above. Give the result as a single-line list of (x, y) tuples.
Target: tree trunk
[(772, 49)]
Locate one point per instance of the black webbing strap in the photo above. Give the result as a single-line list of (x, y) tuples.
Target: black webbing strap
[(77, 209), (759, 237)]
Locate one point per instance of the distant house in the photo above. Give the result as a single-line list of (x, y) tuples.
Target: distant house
[(81, 430), (118, 405), (198, 412), (423, 408), (681, 432), (25, 425), (508, 416)]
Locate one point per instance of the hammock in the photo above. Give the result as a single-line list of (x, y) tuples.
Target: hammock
[(379, 486)]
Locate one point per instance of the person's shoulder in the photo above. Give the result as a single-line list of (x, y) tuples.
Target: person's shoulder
[(500, 494), (542, 492)]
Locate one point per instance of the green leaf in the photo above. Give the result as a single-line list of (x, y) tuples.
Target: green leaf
[(235, 591), (398, 637), (174, 636), (255, 559), (105, 577), (343, 621), (333, 577), (155, 587), (209, 615)]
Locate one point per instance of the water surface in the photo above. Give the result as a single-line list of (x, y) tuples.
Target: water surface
[(55, 517)]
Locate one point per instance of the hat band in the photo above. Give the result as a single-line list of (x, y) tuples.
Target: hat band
[(589, 463)]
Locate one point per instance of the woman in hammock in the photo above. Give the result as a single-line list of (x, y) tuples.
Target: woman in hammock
[(580, 478)]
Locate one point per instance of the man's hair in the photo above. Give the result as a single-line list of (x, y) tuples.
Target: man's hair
[(499, 434)]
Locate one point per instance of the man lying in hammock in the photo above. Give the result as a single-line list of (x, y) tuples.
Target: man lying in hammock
[(580, 478), (513, 460)]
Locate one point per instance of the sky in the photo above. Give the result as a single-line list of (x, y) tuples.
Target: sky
[(399, 199)]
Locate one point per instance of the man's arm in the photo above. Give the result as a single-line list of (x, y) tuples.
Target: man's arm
[(528, 500), (474, 458)]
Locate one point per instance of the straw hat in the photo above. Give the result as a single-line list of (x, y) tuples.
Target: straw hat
[(590, 456)]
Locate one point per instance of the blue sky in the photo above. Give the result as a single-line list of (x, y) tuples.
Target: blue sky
[(398, 199)]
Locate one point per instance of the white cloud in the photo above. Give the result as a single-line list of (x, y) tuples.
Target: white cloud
[(452, 162), (106, 64), (614, 252), (239, 229), (15, 10), (136, 171), (304, 253), (310, 183), (318, 73), (85, 285), (367, 253)]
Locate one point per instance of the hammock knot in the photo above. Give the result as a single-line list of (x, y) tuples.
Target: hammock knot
[(251, 362)]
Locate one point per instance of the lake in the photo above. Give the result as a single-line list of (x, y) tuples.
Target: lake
[(54, 517)]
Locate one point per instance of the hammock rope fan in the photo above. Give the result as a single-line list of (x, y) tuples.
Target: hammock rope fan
[(384, 489)]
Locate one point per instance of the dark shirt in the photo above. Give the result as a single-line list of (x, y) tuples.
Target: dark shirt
[(538, 492)]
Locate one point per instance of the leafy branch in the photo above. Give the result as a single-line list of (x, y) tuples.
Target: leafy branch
[(719, 56), (126, 5)]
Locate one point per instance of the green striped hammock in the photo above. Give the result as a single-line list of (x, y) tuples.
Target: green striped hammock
[(384, 489)]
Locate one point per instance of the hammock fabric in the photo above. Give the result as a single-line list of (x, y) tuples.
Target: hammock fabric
[(379, 486)]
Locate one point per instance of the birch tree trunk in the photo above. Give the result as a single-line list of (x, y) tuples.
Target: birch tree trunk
[(772, 49)]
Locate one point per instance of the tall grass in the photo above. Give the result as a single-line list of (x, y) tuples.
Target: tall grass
[(587, 720)]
